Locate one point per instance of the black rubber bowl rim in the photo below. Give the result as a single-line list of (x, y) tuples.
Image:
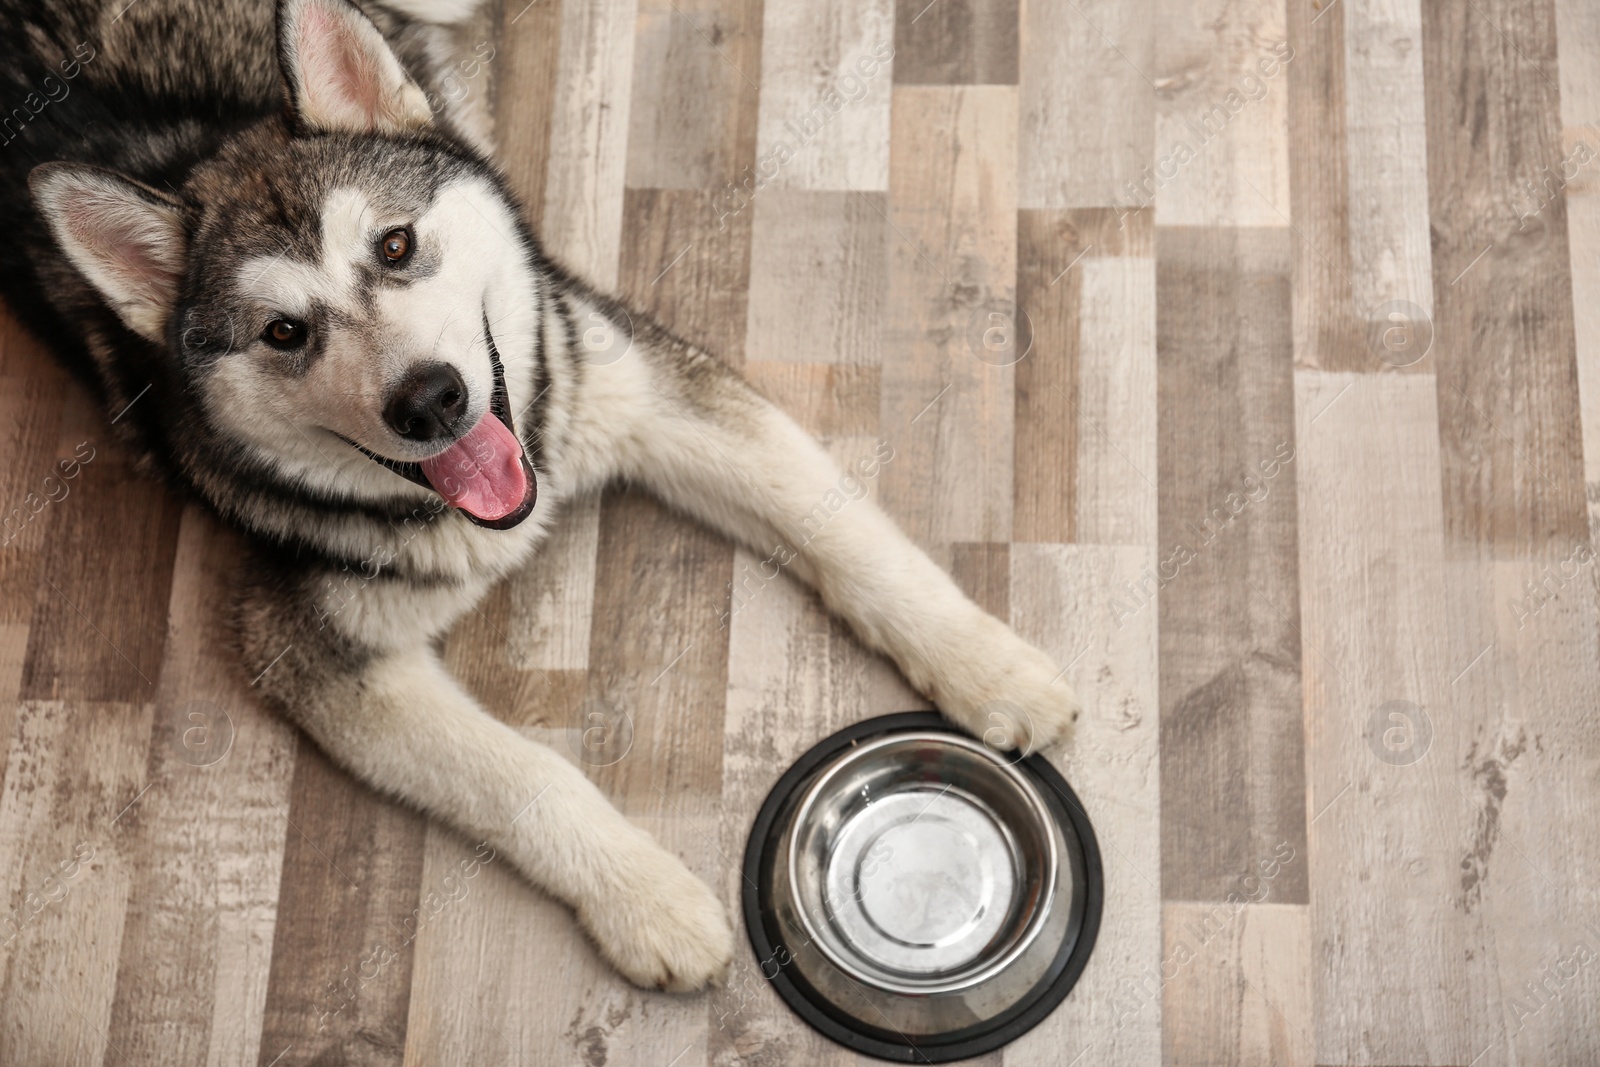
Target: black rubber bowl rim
[(822, 1015)]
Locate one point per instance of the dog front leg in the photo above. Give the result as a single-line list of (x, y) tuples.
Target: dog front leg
[(398, 721), (708, 444)]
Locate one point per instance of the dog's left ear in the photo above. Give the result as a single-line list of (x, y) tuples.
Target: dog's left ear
[(125, 237), (342, 75)]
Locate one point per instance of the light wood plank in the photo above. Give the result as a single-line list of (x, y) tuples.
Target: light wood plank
[(582, 221), (1058, 597), (524, 76), (1087, 102), (1386, 813), (1116, 401), (834, 248), (947, 399), (826, 73), (1578, 35), (1240, 991), (74, 786), (1221, 136), (1520, 641), (696, 73), (1233, 781), (1386, 141), (482, 936), (1583, 229)]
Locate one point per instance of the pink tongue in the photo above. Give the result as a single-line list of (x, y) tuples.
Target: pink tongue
[(482, 472)]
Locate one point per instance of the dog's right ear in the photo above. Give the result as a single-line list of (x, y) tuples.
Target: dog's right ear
[(342, 75), (126, 238)]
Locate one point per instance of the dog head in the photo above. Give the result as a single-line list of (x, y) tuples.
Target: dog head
[(343, 288)]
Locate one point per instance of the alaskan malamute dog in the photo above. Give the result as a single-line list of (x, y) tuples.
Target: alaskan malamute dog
[(314, 305)]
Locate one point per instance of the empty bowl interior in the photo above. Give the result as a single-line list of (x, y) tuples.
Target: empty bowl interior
[(921, 863)]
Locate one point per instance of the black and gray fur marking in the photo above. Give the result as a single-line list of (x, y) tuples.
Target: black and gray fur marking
[(186, 97)]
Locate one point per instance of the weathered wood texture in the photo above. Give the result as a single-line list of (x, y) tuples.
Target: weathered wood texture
[(1323, 576), (1230, 649)]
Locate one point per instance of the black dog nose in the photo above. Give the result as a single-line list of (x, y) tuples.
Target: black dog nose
[(427, 403)]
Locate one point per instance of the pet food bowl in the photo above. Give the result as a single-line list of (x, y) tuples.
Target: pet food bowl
[(918, 896)]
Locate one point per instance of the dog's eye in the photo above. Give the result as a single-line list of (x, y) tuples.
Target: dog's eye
[(284, 333), (395, 246)]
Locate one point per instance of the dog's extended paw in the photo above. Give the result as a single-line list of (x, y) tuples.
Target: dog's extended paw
[(1004, 691), (662, 927)]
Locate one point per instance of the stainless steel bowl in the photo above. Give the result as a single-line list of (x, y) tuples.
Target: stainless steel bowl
[(919, 896)]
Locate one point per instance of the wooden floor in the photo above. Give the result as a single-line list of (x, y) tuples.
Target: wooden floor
[(1117, 280)]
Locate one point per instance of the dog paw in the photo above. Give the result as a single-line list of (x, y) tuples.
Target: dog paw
[(1004, 691), (661, 927)]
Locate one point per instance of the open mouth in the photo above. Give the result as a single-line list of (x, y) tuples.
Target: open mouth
[(485, 472)]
